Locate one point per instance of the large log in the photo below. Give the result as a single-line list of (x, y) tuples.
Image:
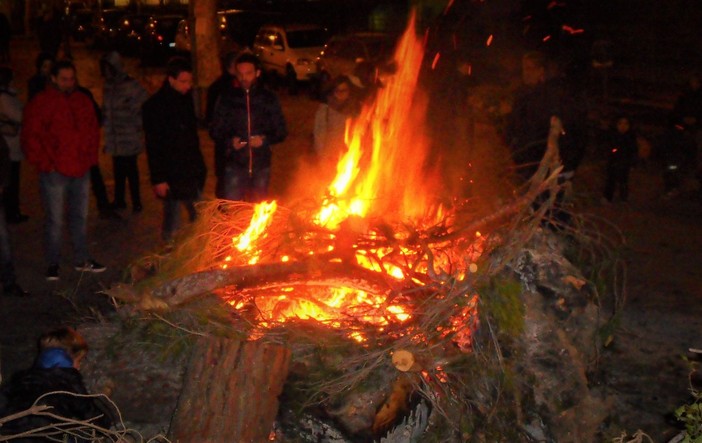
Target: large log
[(265, 275), (230, 391)]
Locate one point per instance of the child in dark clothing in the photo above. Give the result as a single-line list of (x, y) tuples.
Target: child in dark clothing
[(55, 369), (621, 157)]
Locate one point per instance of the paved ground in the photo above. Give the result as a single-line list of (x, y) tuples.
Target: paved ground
[(643, 369)]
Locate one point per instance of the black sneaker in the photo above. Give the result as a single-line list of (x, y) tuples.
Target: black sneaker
[(52, 273), (90, 266), (14, 290)]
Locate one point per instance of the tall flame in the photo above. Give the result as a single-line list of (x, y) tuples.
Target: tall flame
[(384, 171)]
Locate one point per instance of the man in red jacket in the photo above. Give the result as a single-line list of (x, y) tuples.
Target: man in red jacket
[(60, 136)]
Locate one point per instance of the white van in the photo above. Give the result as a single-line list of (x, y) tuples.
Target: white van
[(290, 51)]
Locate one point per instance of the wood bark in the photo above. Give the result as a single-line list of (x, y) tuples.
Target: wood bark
[(230, 391), (270, 275)]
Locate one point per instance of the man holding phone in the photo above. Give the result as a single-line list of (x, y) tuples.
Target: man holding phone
[(247, 121)]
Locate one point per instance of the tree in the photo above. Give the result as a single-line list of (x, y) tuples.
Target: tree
[(205, 46)]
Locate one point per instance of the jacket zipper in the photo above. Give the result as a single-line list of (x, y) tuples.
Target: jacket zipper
[(248, 130)]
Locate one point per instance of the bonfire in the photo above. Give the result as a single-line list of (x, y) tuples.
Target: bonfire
[(380, 281)]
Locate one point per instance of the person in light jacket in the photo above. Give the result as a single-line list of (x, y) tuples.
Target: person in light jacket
[(123, 97)]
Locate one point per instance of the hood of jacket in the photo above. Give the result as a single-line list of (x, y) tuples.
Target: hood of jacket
[(114, 60)]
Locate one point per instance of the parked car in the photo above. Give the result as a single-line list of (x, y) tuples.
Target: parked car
[(158, 42), (105, 28), (81, 23), (290, 51), (131, 32), (237, 30), (365, 57)]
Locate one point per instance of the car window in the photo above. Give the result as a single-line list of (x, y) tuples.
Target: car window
[(351, 50), (241, 27), (265, 39), (308, 38), (377, 49), (167, 27), (111, 18)]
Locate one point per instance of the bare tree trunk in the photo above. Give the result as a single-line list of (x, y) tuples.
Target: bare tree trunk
[(230, 391), (204, 47)]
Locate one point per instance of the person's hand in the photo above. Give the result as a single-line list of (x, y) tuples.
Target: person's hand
[(256, 141), (238, 143), (161, 190)]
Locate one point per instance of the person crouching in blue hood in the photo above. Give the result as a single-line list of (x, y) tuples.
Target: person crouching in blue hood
[(55, 369)]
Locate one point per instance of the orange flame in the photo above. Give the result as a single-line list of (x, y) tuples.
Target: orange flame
[(383, 141), (382, 174), (261, 219)]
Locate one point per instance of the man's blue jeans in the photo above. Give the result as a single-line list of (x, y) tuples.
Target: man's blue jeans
[(58, 192), (238, 186)]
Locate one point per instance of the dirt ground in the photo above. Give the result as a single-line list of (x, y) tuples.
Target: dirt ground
[(643, 369)]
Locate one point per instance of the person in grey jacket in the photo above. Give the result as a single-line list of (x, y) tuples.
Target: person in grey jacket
[(123, 97), (11, 118)]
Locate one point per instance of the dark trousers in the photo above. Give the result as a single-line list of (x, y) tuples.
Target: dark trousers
[(10, 198), (238, 185), (172, 215), (617, 178), (126, 169), (98, 186), (7, 271)]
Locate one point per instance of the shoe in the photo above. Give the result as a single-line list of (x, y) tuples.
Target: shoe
[(109, 214), (90, 266), (14, 290), (137, 209), (52, 274), (17, 218)]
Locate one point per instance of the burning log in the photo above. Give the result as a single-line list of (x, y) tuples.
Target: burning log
[(262, 276), (231, 391)]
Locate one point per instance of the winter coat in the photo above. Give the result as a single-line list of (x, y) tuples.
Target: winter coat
[(244, 113), (224, 82), (530, 122), (23, 389), (329, 131), (60, 132), (11, 109), (35, 85), (622, 150), (4, 165), (122, 100), (172, 143)]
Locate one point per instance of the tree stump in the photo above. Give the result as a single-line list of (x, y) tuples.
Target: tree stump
[(230, 392)]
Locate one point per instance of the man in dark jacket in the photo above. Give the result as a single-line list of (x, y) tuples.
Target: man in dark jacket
[(247, 120), (528, 127), (224, 82), (172, 145), (60, 136), (7, 270)]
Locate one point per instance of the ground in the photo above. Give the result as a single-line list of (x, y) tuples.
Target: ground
[(643, 369)]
